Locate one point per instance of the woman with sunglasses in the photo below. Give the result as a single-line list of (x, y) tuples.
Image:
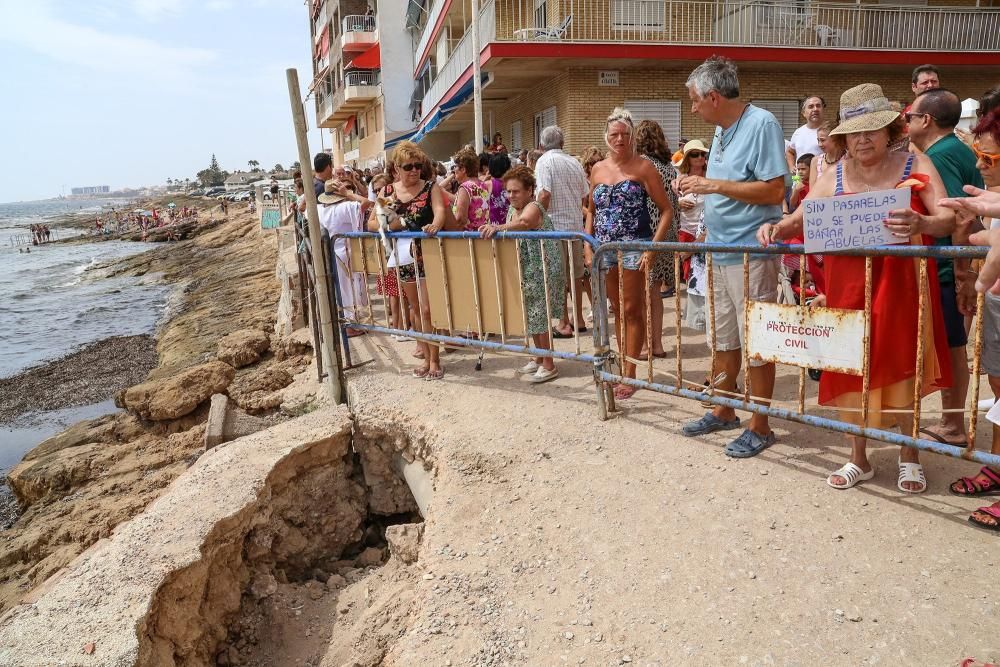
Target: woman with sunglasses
[(690, 207), (420, 205)]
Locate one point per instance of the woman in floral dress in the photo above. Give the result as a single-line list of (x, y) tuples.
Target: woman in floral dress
[(526, 214)]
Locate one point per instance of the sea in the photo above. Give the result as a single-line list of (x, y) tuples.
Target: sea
[(56, 299)]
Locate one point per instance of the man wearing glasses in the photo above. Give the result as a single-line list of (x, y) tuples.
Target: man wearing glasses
[(931, 121)]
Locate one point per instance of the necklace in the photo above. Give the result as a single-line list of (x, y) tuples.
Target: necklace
[(719, 134), (828, 160)]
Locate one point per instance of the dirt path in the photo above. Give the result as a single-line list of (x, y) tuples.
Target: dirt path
[(554, 538)]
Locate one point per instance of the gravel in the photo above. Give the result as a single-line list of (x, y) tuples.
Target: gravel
[(92, 374)]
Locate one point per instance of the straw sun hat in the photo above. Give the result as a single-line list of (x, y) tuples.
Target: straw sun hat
[(864, 108), (689, 147), (330, 195)]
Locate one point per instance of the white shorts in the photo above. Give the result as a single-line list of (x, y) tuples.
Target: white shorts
[(730, 306)]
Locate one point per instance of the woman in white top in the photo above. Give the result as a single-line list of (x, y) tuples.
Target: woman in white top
[(691, 207), (343, 210)]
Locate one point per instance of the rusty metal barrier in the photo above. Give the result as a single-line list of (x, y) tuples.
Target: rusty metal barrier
[(695, 390), (473, 285)]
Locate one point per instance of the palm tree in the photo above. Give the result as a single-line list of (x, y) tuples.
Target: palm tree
[(253, 165), (170, 182)]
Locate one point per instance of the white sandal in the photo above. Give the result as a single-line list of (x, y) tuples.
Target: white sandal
[(911, 472), (852, 473)]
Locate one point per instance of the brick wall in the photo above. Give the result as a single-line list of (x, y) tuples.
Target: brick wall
[(582, 106)]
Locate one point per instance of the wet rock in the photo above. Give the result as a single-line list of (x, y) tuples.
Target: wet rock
[(244, 347), (179, 395), (404, 541)]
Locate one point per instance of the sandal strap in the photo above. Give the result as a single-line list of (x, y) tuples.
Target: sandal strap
[(850, 472), (911, 472), (992, 510), (988, 473)]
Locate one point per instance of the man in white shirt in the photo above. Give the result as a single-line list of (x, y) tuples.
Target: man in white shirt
[(562, 190), (804, 139)]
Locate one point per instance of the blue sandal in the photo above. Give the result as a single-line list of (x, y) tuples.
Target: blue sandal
[(709, 424), (749, 444)]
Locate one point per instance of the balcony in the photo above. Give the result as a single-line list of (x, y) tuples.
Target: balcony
[(360, 88), (767, 23), (358, 32)]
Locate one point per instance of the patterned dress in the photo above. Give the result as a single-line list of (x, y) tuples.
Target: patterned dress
[(499, 202), (535, 279), (479, 204), (415, 214), (663, 268)]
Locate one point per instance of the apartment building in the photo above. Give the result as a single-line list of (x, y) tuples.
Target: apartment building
[(358, 101), (572, 61)]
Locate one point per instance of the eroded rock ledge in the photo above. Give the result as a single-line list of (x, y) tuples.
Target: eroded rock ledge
[(164, 589)]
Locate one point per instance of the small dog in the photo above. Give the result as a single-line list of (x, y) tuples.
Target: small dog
[(385, 216)]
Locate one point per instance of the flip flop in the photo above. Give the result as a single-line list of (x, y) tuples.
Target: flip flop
[(434, 375), (940, 438), (559, 334), (420, 373)]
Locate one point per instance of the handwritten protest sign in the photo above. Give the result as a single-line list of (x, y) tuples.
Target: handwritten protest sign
[(270, 215), (851, 221), (826, 338)]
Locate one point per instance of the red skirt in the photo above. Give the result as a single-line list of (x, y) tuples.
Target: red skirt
[(389, 286)]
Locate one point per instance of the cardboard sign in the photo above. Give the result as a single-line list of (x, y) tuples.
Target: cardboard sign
[(827, 338), (851, 221)]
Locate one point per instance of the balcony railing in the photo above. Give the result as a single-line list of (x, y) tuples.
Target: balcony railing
[(357, 23), (751, 23), (363, 77), (460, 59)]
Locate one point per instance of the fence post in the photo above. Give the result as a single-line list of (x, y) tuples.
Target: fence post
[(326, 345)]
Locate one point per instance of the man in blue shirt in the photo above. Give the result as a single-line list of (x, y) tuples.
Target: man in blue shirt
[(743, 187)]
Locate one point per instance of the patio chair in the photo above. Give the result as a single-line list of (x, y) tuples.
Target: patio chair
[(545, 34)]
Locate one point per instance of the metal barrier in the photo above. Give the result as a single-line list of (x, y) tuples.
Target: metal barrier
[(473, 285), (682, 387)]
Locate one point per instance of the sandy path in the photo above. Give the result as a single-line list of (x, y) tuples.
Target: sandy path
[(555, 538)]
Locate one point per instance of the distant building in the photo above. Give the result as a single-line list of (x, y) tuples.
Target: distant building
[(240, 180), (361, 104), (91, 190)]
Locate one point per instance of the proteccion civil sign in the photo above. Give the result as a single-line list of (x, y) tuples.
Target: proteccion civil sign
[(827, 338), (851, 221)]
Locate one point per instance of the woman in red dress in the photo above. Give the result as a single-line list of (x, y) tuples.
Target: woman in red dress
[(866, 129)]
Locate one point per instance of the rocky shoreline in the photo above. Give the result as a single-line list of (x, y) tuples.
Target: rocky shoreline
[(76, 487)]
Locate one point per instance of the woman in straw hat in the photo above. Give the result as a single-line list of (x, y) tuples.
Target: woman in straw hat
[(691, 207), (866, 131)]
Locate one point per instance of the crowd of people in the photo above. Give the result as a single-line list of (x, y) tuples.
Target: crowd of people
[(40, 233), (120, 221), (746, 186)]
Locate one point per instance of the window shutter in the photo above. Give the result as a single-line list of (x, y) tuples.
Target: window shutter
[(665, 112), (785, 111), (515, 136)]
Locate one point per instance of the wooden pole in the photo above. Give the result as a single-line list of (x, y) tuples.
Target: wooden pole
[(327, 343)]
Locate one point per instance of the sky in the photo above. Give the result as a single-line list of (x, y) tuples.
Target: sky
[(128, 93)]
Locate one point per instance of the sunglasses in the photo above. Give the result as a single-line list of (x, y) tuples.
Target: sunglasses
[(410, 167), (989, 159), (910, 115), (697, 154)]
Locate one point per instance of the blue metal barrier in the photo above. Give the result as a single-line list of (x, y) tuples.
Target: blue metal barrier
[(602, 347)]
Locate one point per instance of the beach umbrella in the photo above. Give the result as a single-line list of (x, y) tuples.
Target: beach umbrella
[(171, 205)]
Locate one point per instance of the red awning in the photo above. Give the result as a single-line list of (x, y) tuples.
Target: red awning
[(370, 59), (349, 125)]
